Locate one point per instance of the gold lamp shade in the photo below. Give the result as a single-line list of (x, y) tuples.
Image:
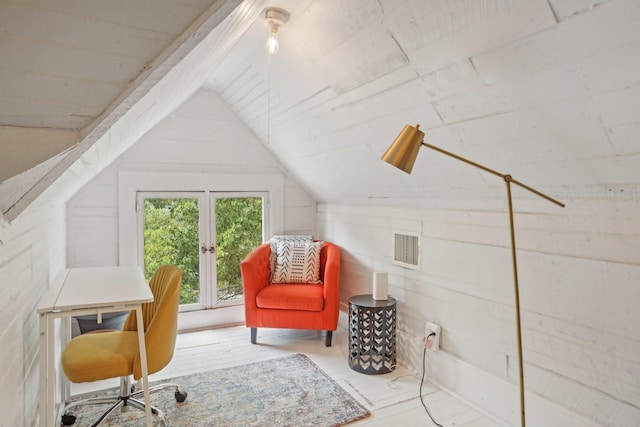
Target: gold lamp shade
[(404, 150)]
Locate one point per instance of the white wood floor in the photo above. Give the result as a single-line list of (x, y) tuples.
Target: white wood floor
[(392, 398)]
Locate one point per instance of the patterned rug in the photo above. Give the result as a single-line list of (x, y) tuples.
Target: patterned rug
[(289, 391)]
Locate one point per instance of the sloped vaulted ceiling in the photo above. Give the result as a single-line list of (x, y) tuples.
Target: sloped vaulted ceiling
[(540, 89), (546, 90), (71, 70)]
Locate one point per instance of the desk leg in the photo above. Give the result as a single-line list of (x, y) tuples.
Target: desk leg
[(66, 384), (52, 378), (43, 370), (143, 364)]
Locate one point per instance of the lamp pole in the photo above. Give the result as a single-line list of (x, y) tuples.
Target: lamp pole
[(402, 154), (508, 179), (516, 289)]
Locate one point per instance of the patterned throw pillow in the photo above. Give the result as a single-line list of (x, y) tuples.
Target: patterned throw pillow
[(289, 237), (297, 262)]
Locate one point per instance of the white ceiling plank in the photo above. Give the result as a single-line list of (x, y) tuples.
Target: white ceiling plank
[(569, 42), (76, 94), (165, 14), (381, 54), (617, 107), (540, 122), (434, 37), (24, 148), (455, 79), (625, 139), (323, 26), (582, 79), (569, 8), (14, 188), (510, 140), (50, 28), (397, 77), (248, 86), (25, 57), (24, 113)]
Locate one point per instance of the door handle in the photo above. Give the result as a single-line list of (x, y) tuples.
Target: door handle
[(212, 249), (203, 249)]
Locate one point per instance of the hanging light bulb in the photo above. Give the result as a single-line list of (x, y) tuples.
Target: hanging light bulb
[(274, 19), (273, 45)]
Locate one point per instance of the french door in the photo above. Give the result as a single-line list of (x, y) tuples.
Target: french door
[(206, 234)]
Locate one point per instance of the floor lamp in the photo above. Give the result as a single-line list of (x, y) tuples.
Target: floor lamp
[(403, 153)]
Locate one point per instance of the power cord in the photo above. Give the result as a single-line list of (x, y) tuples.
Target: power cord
[(424, 357)]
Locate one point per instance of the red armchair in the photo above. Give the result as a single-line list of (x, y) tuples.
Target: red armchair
[(289, 305)]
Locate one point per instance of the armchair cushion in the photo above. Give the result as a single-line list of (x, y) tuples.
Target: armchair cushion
[(297, 262), (291, 297)]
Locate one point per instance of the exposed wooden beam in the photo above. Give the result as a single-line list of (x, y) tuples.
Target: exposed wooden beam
[(148, 99)]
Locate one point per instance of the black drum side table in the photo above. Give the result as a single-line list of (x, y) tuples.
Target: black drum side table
[(372, 334)]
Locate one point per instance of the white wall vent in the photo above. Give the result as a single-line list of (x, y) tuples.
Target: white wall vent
[(406, 249)]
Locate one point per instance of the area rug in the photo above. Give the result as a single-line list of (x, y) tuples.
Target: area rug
[(289, 391)]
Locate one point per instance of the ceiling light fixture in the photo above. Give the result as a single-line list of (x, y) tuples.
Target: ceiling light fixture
[(274, 18), (403, 153)]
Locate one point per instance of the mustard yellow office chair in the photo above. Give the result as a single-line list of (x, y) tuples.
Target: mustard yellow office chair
[(112, 354)]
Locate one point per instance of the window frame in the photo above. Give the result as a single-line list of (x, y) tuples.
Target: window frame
[(131, 183), (207, 219)]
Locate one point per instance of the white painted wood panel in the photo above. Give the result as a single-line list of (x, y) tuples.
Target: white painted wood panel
[(383, 53), (567, 43), (32, 251), (23, 57), (24, 22), (457, 30), (24, 148), (569, 8), (109, 46), (580, 326), (202, 138)]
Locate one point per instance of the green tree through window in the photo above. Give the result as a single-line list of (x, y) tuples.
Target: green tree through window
[(172, 236), (238, 231)]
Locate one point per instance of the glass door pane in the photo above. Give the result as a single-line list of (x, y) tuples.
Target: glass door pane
[(171, 233), (238, 230)]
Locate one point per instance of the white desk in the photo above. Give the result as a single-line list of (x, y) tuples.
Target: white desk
[(81, 291)]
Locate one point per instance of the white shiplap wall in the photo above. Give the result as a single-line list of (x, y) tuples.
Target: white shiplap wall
[(201, 136), (579, 276), (32, 252)]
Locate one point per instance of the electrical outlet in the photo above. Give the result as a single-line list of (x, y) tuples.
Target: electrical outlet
[(432, 337)]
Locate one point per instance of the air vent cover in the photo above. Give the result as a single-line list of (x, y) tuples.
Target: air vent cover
[(406, 249)]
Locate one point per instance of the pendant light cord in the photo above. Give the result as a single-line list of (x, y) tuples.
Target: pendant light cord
[(269, 99)]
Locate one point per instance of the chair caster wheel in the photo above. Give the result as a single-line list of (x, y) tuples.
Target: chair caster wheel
[(181, 396), (68, 419)]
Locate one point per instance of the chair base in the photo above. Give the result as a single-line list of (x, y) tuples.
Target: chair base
[(127, 397), (327, 338)]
